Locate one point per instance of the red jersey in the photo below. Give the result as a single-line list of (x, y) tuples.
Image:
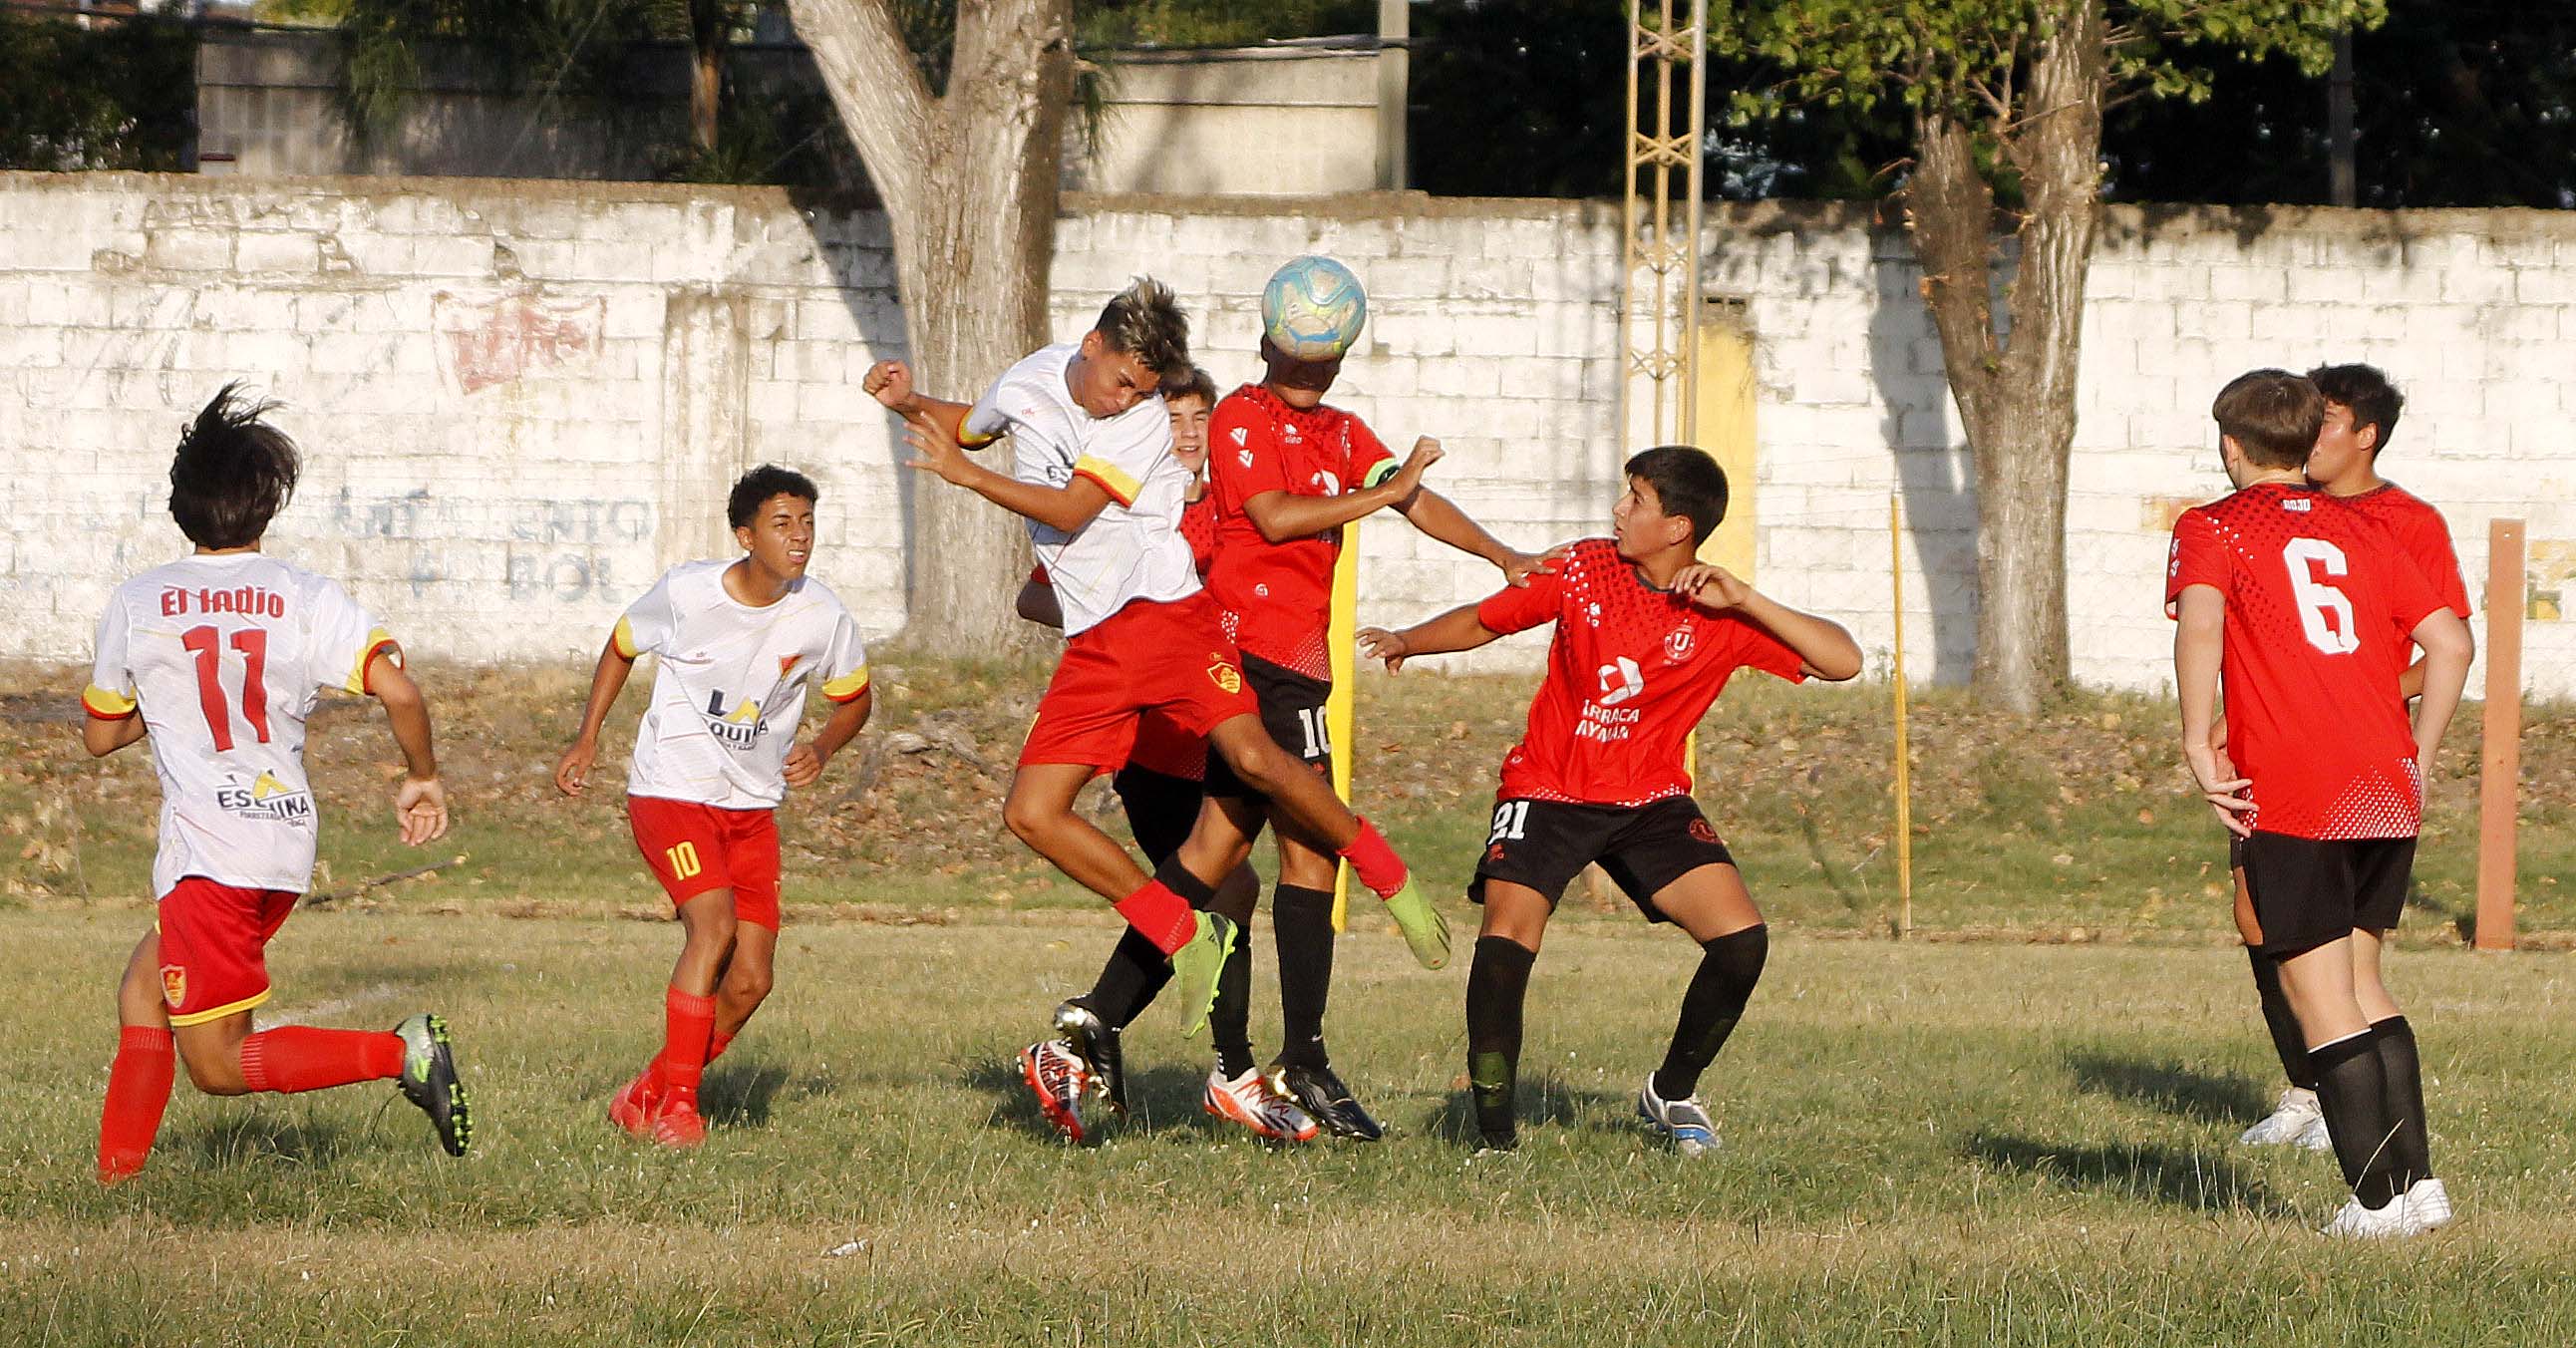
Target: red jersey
[(1631, 671), (1278, 597), (2422, 535), (2320, 602)]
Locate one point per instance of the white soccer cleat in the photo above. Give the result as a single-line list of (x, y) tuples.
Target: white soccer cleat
[(2355, 1222), (1685, 1121), (1248, 1100), (2315, 1137), (2428, 1205), (2290, 1121)]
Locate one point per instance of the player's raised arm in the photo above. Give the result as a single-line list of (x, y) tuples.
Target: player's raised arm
[(1065, 509), (607, 680), (1283, 515), (1459, 629), (890, 383), (420, 803), (1823, 645)]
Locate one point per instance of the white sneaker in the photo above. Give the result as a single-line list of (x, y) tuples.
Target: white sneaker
[(2289, 1121), (2428, 1205), (1248, 1100), (1685, 1121), (2355, 1222), (2314, 1137)]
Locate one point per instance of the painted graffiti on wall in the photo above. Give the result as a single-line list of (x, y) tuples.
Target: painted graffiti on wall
[(553, 550), (490, 342)]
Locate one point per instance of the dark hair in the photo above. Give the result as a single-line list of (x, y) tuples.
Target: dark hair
[(759, 485), (1198, 383), (1688, 483), (1146, 322), (2373, 400), (2273, 415), (232, 474)]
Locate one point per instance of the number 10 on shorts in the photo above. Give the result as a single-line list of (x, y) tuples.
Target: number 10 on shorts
[(683, 857)]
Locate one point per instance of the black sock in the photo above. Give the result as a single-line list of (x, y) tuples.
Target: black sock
[(1497, 986), (1135, 972), (1301, 922), (1230, 1018), (2352, 1090), (2287, 1042), (2405, 1073), (1178, 878), (1711, 1007)]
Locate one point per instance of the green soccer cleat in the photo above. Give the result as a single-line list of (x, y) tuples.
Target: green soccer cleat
[(1425, 930), (1195, 967), (429, 1080)]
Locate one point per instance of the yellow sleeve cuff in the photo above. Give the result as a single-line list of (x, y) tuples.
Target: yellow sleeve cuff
[(847, 687), (106, 704), (1119, 485), (377, 641), (623, 638)]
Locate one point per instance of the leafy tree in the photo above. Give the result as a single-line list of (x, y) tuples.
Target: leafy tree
[(2003, 101), (119, 96)]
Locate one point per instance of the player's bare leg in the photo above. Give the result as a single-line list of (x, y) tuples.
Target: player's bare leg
[(2352, 1081), (1039, 811), (1711, 903), (1507, 945), (2294, 1118), (138, 1084), (745, 983)]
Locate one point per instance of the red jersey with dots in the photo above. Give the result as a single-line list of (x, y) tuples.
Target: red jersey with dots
[(1278, 597), (1161, 744), (2422, 535), (1631, 671), (2320, 602)]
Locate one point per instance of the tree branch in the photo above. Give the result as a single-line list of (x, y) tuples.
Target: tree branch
[(867, 68)]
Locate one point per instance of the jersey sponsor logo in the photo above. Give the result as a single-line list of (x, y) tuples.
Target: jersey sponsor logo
[(739, 728), (1332, 486), (265, 798), (1222, 672), (1679, 643), (1621, 680), (174, 985), (1604, 719)]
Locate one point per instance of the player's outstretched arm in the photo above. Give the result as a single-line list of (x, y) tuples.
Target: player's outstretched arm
[(1065, 509), (1456, 630), (1826, 649), (104, 737), (1281, 516), (2200, 622), (806, 761), (2447, 651), (890, 383), (420, 803), (572, 771), (1440, 517)]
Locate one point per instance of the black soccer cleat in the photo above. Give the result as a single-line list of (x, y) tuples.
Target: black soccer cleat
[(1096, 1043), (429, 1080), (1321, 1094)]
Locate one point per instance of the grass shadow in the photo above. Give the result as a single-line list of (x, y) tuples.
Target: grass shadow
[(740, 1095), (2170, 1086), (1542, 1099), (2145, 1172), (254, 1134), (1013, 1106)]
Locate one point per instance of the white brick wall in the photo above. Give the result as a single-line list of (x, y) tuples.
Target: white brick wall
[(520, 400)]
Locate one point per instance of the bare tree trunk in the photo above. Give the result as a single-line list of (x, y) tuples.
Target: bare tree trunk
[(2015, 381), (970, 186), (707, 33)]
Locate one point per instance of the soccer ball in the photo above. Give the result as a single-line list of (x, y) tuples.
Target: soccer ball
[(1313, 308)]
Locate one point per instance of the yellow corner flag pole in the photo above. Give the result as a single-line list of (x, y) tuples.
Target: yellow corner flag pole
[(1341, 639), (1904, 774)]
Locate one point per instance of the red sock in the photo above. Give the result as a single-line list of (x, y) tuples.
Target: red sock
[(655, 1082), (717, 1042), (138, 1089), (1160, 916), (302, 1058), (689, 1022), (1376, 864)]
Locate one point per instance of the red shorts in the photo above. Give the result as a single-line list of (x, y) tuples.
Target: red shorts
[(214, 947), (1168, 656), (1164, 747), (694, 848)]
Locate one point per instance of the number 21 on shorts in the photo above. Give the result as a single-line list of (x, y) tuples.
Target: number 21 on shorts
[(1511, 820)]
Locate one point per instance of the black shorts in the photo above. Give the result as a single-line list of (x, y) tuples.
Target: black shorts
[(1292, 710), (1544, 844), (2308, 891), (1161, 810)]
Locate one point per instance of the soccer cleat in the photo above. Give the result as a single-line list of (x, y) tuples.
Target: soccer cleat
[(429, 1080), (1322, 1095), (2355, 1222), (1060, 1079), (1195, 967), (1497, 1144), (632, 1107), (2289, 1120), (1093, 1041), (2314, 1137), (1684, 1121), (1425, 930), (677, 1124), (1248, 1100), (2428, 1205)]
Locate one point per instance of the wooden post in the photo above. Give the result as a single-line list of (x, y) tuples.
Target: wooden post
[(1904, 768), (2500, 762)]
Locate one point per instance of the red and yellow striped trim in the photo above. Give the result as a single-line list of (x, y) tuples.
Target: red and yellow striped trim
[(623, 638), (847, 687), (379, 642), (106, 704), (232, 1009), (1121, 488)]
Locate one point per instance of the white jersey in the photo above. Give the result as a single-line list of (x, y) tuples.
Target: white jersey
[(1133, 548), (731, 685), (224, 655)]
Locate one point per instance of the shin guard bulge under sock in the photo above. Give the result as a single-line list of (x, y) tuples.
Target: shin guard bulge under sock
[(1711, 1007), (1497, 989), (2352, 1091), (1301, 928)]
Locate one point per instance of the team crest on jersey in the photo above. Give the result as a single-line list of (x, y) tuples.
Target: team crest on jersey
[(1679, 643), (174, 985), (1223, 673), (1702, 832), (264, 798), (738, 728)]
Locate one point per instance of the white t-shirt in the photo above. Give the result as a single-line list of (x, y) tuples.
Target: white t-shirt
[(224, 656), (730, 688), (1133, 548)]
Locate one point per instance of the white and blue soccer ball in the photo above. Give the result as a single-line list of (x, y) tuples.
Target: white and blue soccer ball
[(1313, 308)]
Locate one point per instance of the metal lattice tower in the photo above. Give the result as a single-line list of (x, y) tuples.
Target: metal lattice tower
[(1659, 311)]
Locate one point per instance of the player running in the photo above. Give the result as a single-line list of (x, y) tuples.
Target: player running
[(1095, 477), (2304, 607), (740, 643), (1291, 475), (218, 657), (2361, 414), (1646, 637)]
